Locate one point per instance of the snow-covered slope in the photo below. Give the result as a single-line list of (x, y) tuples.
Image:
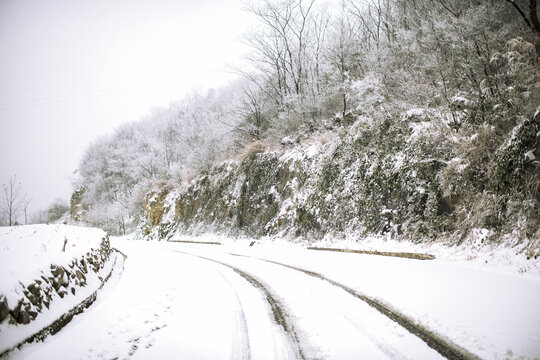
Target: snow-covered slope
[(46, 270), (398, 176), (26, 251)]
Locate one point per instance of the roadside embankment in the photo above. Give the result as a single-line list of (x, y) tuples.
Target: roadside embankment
[(49, 274)]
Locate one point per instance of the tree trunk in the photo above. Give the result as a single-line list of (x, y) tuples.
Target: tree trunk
[(534, 24), (534, 15)]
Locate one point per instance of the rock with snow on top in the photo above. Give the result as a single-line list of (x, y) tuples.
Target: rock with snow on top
[(287, 140)]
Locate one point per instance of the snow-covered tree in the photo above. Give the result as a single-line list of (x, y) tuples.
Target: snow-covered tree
[(13, 200)]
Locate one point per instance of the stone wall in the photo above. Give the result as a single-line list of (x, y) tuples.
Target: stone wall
[(57, 281)]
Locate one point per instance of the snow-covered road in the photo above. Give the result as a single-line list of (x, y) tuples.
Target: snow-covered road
[(184, 301)]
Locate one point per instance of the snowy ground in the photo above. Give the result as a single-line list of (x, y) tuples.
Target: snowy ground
[(26, 253), (178, 300)]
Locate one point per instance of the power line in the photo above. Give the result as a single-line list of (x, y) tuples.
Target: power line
[(58, 99), (50, 86)]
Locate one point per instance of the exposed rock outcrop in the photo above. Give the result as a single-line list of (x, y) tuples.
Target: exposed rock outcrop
[(406, 178)]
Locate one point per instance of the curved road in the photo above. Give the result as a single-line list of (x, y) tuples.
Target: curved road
[(179, 301)]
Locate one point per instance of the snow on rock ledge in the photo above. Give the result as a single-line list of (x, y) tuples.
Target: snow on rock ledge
[(44, 263)]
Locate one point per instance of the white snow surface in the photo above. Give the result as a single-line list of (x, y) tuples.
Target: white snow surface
[(26, 253), (174, 300), (415, 113)]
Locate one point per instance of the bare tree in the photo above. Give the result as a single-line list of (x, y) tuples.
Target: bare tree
[(342, 54), (13, 200), (252, 110), (533, 23), (369, 14), (320, 23), (281, 44), (25, 204)]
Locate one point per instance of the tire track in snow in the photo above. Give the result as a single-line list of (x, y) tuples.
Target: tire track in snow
[(242, 351), (280, 316), (443, 346)]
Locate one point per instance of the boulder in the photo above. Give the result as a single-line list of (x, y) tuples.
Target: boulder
[(4, 309), (21, 312)]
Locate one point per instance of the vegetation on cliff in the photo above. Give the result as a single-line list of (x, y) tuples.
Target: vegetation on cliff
[(416, 119)]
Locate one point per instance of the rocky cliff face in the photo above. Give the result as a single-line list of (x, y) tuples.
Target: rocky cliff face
[(403, 175)]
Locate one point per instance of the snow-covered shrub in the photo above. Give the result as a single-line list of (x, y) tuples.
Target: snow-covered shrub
[(370, 95), (508, 172), (517, 78), (167, 146)]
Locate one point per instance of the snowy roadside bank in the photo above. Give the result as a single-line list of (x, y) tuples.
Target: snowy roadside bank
[(473, 253), (49, 273)]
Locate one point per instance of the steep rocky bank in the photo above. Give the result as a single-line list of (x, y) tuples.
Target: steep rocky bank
[(408, 175)]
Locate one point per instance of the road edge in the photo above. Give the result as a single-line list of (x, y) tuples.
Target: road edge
[(416, 256)]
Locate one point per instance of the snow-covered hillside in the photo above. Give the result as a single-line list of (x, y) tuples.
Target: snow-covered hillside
[(428, 130), (392, 177)]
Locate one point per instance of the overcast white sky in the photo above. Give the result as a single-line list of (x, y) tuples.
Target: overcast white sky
[(71, 70)]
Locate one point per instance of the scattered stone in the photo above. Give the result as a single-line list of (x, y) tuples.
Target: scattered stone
[(79, 274), (33, 294), (65, 280), (84, 267), (57, 270), (60, 280), (24, 317), (34, 288), (16, 310), (33, 314), (21, 313), (288, 140), (4, 309)]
